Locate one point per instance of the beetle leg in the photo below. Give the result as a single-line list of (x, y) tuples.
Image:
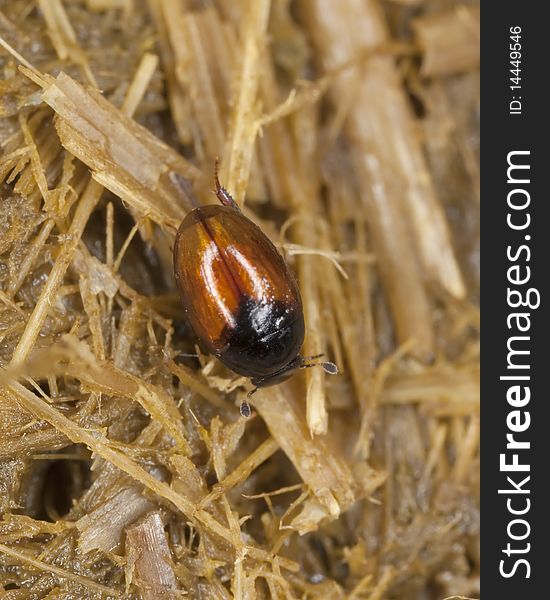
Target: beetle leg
[(223, 195)]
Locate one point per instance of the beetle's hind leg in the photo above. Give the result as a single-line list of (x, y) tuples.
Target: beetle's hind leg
[(223, 195)]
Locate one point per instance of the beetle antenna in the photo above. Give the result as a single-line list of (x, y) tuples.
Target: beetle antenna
[(223, 195), (330, 367), (327, 366), (244, 409)]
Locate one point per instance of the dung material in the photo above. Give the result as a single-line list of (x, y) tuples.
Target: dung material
[(349, 132)]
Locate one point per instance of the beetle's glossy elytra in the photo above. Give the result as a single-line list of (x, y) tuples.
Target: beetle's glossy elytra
[(238, 293)]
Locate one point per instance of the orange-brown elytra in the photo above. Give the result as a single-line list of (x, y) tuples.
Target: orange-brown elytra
[(238, 293)]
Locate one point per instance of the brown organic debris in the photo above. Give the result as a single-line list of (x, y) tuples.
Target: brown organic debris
[(349, 132)]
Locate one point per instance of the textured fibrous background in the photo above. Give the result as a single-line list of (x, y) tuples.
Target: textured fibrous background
[(349, 131)]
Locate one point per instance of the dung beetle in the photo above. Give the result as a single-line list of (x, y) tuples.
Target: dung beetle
[(238, 294)]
